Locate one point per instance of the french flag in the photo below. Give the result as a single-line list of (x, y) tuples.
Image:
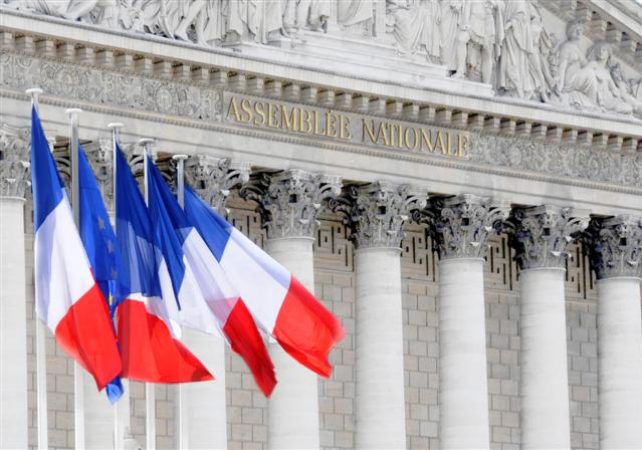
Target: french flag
[(68, 298), (204, 299), (282, 306), (150, 348), (99, 241)]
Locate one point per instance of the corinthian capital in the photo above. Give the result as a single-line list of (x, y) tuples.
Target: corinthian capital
[(289, 201), (541, 234), (615, 246), (213, 178), (460, 225), (377, 211), (14, 162)]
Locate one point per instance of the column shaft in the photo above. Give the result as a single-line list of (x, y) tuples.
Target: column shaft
[(99, 416), (463, 385), (294, 404), (620, 362), (204, 408), (544, 374), (380, 404), (13, 329)]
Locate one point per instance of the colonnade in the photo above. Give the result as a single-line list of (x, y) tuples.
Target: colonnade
[(289, 202)]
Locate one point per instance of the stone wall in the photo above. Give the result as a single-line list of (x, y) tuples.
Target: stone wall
[(247, 410)]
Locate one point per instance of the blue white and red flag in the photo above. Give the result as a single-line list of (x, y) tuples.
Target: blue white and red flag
[(68, 299), (148, 336), (204, 299), (100, 244), (280, 304)]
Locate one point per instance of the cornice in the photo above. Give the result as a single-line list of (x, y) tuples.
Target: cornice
[(492, 109), (428, 160)]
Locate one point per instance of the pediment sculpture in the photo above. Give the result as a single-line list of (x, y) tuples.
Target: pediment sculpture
[(510, 45)]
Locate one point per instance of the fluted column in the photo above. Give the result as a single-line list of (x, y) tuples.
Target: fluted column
[(289, 202), (14, 184), (203, 405), (460, 228), (615, 246), (376, 213), (540, 236)]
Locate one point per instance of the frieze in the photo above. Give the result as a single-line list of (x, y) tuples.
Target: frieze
[(210, 106), (513, 48), (120, 89)]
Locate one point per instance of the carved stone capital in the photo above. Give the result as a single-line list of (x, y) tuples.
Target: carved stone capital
[(289, 201), (376, 212), (541, 234), (460, 225), (615, 246), (100, 155), (213, 178), (14, 162)]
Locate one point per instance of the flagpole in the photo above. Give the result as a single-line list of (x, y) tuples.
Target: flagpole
[(41, 344), (182, 420), (150, 388), (122, 407), (79, 397)]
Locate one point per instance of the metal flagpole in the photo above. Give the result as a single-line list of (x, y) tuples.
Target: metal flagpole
[(181, 422), (150, 388), (122, 408), (41, 345), (79, 397)]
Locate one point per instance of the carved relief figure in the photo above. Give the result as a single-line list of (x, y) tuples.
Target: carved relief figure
[(626, 89), (539, 60), (415, 24), (483, 29), (68, 9), (311, 14), (452, 45), (471, 33), (209, 25), (517, 51), (607, 93), (573, 77), (254, 18), (356, 16)]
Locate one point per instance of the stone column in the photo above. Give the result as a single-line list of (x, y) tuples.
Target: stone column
[(99, 413), (461, 226), (540, 236), (14, 184), (376, 213), (203, 405), (289, 202), (615, 246)]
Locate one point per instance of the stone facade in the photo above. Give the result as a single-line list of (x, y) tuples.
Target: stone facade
[(359, 125)]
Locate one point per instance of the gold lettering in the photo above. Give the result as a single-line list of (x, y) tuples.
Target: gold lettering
[(401, 143), (272, 115), (463, 145), (451, 151), (344, 126), (317, 124), (440, 143), (382, 133), (289, 121), (331, 125), (415, 140), (259, 108), (369, 130), (246, 107), (234, 109), (426, 139), (305, 119)]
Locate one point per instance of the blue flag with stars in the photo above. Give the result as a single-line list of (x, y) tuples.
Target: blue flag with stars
[(99, 240)]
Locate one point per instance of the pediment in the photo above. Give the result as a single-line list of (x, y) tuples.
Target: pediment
[(576, 55)]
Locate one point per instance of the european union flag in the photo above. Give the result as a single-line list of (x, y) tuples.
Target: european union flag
[(100, 243)]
